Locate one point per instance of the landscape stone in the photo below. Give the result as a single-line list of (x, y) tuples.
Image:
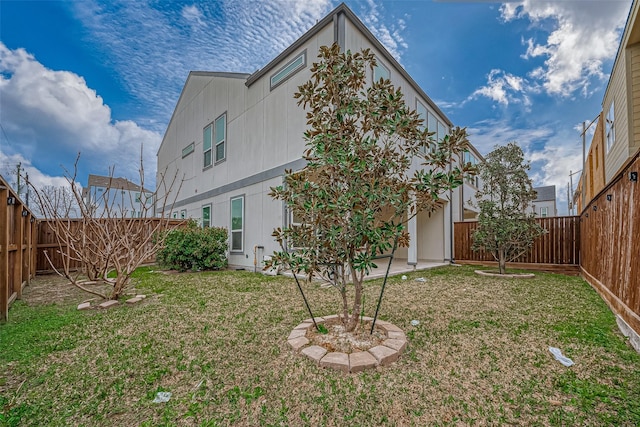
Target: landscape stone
[(141, 296), (314, 352), (133, 300), (298, 343), (297, 333), (84, 306), (388, 327), (361, 360), (304, 326), (109, 304), (384, 355), (336, 360), (396, 335), (333, 316), (318, 320), (398, 345)]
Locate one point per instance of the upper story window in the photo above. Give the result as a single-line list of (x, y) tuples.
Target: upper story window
[(380, 71), (289, 69), (221, 137), (188, 149), (468, 157), (206, 146), (215, 135), (422, 112), (544, 212), (610, 127)]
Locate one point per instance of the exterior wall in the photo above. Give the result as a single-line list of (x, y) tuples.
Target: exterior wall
[(618, 153), (633, 53), (431, 235), (125, 203)]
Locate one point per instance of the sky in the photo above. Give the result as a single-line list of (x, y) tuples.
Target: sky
[(102, 78)]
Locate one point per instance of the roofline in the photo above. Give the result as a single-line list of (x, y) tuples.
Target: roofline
[(631, 18), (222, 74), (333, 17)]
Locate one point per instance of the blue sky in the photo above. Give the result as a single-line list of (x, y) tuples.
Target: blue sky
[(102, 77)]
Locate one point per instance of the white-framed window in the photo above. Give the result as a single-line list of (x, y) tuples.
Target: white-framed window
[(423, 113), (443, 130), (188, 149), (380, 71), (468, 157), (221, 137), (237, 224), (206, 216), (207, 134), (175, 215), (289, 69), (183, 214), (544, 212), (610, 131)]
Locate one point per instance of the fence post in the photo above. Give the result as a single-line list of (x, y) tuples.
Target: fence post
[(4, 255)]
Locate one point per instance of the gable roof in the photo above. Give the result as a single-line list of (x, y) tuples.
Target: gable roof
[(335, 17), (115, 183), (547, 193)]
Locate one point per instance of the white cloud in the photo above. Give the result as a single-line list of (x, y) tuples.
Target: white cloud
[(585, 35), (193, 15), (503, 88), (390, 36), (486, 134), (51, 115)]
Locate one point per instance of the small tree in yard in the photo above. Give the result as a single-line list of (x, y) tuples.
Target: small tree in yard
[(106, 242), (505, 229), (356, 194)]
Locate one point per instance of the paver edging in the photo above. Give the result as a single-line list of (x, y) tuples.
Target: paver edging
[(382, 355)]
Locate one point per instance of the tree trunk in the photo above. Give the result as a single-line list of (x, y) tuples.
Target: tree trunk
[(502, 262), (355, 314), (345, 305)]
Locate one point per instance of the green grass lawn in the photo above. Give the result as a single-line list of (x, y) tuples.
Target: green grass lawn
[(217, 342)]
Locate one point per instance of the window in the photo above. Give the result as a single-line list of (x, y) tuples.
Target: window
[(183, 214), (443, 130), (206, 216), (206, 146), (544, 212), (220, 137), (380, 71), (297, 63), (137, 197), (610, 128), (188, 149), (422, 112), (237, 223), (468, 157), (175, 215)]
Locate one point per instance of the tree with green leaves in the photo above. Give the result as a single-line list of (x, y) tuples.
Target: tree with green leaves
[(505, 228), (352, 201)]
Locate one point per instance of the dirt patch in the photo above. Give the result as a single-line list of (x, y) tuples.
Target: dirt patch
[(495, 273), (337, 339)]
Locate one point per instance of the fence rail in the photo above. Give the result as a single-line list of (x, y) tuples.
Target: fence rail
[(559, 246), (17, 247)]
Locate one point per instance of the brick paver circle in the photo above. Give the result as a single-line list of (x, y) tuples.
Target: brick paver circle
[(382, 355)]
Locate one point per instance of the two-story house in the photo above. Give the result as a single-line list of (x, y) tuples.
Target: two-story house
[(232, 136), (124, 198)]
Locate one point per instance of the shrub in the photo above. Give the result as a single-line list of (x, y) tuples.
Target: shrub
[(194, 248)]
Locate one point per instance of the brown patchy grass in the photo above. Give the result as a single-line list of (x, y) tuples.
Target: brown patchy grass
[(217, 342)]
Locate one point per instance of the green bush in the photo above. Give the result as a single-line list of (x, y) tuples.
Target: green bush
[(194, 248)]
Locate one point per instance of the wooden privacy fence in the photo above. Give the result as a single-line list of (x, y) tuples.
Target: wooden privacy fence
[(560, 246), (17, 247), (610, 228), (47, 241)]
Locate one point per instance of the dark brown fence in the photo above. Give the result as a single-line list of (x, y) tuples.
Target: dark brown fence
[(17, 247), (610, 227), (560, 246), (47, 242)]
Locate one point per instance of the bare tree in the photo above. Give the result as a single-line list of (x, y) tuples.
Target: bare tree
[(105, 239), (62, 201)]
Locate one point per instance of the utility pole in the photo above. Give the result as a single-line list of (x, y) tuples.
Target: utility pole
[(584, 160), (18, 178), (27, 179)]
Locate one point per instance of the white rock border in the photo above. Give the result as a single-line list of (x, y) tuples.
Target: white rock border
[(506, 276), (382, 355)]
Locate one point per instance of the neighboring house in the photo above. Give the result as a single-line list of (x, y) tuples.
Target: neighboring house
[(545, 203), (232, 136), (617, 135), (124, 198)]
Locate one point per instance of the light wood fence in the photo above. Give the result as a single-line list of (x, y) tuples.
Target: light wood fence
[(610, 228), (558, 249), (17, 247)]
